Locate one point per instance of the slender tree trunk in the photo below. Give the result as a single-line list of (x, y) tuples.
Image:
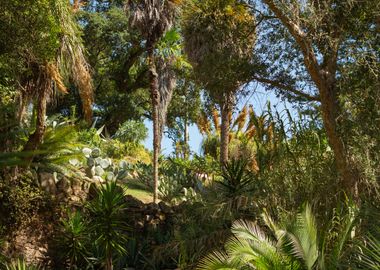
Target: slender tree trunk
[(76, 5), (155, 96), (109, 265), (224, 130), (185, 139)]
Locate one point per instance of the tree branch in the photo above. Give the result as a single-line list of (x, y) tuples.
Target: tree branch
[(288, 88), (301, 38)]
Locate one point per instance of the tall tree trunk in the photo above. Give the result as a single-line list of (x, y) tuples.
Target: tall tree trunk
[(36, 138), (76, 4), (324, 77), (225, 129), (155, 96), (331, 109), (185, 140)]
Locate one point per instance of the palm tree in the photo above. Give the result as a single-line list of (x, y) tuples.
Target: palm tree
[(219, 37), (153, 18), (69, 63)]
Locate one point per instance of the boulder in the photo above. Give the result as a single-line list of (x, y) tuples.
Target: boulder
[(165, 208), (47, 182), (134, 203), (64, 186)]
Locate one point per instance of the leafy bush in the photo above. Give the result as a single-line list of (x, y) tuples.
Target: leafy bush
[(20, 200), (132, 131)]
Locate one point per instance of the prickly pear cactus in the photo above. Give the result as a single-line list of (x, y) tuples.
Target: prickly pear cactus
[(102, 168)]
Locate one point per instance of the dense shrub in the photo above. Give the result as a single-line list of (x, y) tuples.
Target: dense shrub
[(20, 200)]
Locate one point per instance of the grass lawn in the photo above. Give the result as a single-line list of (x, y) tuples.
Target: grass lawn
[(138, 190)]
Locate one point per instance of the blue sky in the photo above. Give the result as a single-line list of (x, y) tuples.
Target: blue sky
[(258, 98)]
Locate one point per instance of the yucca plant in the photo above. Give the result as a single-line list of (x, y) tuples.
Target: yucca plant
[(74, 240), (236, 178), (20, 264), (107, 223)]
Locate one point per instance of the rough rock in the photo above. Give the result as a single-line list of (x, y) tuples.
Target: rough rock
[(64, 186), (47, 182), (133, 203), (165, 208)]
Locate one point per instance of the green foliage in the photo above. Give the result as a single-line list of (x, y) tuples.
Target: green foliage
[(132, 131), (145, 173), (20, 200), (103, 169), (39, 18), (178, 182), (371, 250), (295, 245), (73, 240), (219, 38), (237, 179), (107, 222), (20, 264), (171, 191), (59, 145)]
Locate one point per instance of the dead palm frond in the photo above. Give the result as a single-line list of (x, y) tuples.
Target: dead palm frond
[(152, 17), (203, 123), (215, 119), (71, 61), (167, 82)]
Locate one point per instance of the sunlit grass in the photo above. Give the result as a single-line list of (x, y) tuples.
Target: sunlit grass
[(138, 190)]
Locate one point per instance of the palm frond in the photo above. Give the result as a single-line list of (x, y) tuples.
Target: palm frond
[(72, 63), (217, 261), (371, 253), (303, 238)]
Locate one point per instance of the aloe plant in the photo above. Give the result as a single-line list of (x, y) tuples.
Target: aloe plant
[(236, 179)]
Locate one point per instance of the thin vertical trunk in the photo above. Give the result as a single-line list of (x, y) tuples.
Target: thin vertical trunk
[(109, 265), (224, 131), (185, 139), (155, 96)]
